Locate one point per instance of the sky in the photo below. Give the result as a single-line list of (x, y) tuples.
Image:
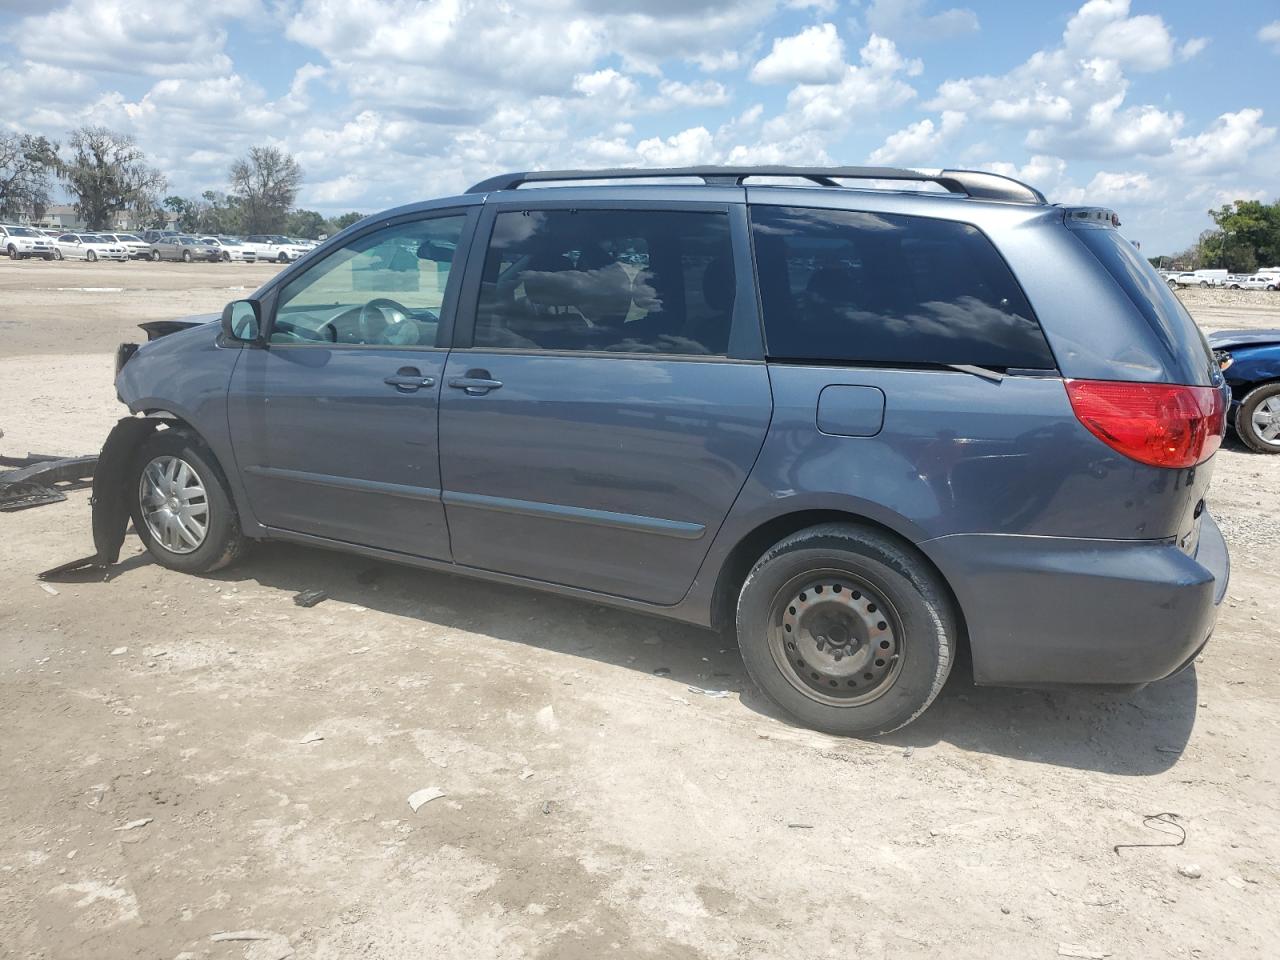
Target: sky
[(1157, 110)]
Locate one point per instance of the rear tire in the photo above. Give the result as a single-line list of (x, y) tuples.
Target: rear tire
[(57, 254), (186, 256), (180, 505), (13, 252), (283, 258), (155, 256), (846, 630), (1260, 407)]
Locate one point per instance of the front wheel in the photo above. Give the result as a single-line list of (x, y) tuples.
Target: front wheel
[(155, 256), (180, 505), (57, 254), (13, 253), (283, 258), (186, 256), (91, 257), (226, 257), (846, 630), (1258, 419)]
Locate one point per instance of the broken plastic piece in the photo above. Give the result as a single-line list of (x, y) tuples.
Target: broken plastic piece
[(423, 797)]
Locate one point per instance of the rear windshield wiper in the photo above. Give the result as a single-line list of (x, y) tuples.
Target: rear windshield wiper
[(985, 372)]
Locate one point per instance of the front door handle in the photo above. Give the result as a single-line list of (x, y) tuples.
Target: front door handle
[(409, 379), (476, 383)]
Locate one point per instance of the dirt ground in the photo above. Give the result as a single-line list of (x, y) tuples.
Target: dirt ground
[(190, 756)]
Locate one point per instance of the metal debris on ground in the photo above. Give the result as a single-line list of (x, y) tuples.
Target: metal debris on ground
[(1084, 953), (241, 935), (709, 693), (48, 589), (1150, 821), (32, 484), (424, 796), (309, 598)]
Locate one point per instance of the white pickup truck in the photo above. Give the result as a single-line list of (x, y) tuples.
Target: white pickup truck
[(1199, 278), (274, 247), (22, 242)]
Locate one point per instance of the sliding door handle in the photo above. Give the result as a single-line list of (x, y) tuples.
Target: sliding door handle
[(476, 383)]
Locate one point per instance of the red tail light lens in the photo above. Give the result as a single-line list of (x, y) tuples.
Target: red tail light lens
[(1161, 424)]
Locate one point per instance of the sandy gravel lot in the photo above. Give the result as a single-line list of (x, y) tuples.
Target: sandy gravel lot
[(185, 757)]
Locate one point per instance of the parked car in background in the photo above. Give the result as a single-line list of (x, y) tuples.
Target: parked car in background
[(231, 249), (274, 247), (88, 246), (151, 236), (1199, 278), (1253, 281), (852, 426), (184, 248), (138, 248), (22, 242), (1250, 361)]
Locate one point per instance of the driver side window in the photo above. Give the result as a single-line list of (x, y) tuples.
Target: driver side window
[(384, 288)]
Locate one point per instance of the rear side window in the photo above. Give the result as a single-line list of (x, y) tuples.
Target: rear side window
[(617, 281), (840, 285), (1159, 305)]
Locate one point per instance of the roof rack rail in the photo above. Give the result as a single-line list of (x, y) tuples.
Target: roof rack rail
[(973, 183)]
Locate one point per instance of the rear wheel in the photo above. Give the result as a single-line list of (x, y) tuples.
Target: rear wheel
[(186, 256), (1173, 284), (57, 254), (846, 630), (13, 253), (1258, 419), (180, 505), (155, 256), (1204, 283)]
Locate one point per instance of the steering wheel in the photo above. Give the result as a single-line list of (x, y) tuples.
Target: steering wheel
[(392, 314)]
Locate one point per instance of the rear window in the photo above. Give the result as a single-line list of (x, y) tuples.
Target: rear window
[(1159, 305), (841, 285)]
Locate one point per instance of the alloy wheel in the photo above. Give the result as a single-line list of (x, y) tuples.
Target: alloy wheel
[(1266, 421), (175, 505)]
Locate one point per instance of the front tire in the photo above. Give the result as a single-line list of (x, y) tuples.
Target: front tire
[(283, 258), (186, 256), (155, 256), (226, 257), (1258, 419), (13, 253), (57, 254), (180, 505), (846, 630), (91, 257)]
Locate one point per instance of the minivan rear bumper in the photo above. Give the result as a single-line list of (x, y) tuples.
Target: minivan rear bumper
[(1050, 610)]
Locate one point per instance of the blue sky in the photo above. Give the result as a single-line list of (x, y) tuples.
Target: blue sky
[(1160, 111)]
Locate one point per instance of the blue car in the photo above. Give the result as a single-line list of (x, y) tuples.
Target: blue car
[(1250, 360), (854, 428)]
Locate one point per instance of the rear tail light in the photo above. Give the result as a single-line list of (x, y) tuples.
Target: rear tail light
[(1161, 424)]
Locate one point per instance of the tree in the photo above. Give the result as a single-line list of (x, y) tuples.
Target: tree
[(306, 223), (346, 220), (26, 163), (109, 175), (265, 183)]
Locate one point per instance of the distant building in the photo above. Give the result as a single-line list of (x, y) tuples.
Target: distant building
[(63, 216)]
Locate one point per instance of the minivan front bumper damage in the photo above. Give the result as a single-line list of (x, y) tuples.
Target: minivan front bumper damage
[(1059, 610)]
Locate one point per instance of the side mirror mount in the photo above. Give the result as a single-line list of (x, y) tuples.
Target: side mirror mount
[(242, 321)]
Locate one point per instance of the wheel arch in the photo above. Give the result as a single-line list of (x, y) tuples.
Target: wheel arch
[(750, 547)]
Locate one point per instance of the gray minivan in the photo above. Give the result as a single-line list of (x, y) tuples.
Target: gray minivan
[(856, 426)]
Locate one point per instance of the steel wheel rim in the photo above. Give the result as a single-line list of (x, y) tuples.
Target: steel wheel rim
[(1266, 421), (175, 505), (835, 638)]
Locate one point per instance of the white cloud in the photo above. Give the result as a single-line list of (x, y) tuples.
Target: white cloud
[(608, 84), (1225, 146), (174, 38), (1192, 48), (707, 93), (686, 148), (1103, 28), (814, 55), (908, 19), (874, 86), (1270, 35), (916, 144)]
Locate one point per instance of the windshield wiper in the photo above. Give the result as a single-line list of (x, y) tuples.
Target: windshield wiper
[(995, 376)]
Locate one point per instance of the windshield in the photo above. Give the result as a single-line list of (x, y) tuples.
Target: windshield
[(186, 239), (23, 232), (91, 238), (209, 241), (127, 236)]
